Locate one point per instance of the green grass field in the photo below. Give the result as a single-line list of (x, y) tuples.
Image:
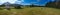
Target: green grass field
[(31, 11)]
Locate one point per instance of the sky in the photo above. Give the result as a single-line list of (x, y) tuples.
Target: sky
[(41, 2), (3, 1), (26, 2)]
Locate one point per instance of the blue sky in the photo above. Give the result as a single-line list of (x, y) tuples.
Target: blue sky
[(41, 2), (26, 2)]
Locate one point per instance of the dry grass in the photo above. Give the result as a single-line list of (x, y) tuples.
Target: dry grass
[(31, 11)]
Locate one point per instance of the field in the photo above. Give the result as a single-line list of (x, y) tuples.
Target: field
[(31, 11)]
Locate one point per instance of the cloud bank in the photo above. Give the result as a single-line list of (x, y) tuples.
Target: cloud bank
[(11, 1)]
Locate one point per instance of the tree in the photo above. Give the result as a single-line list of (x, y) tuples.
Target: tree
[(51, 4), (55, 4), (32, 5), (17, 6), (58, 4)]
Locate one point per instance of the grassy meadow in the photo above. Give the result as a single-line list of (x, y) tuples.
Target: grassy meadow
[(31, 11)]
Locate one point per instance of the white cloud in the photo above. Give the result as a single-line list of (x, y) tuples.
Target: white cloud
[(26, 4), (11, 1), (19, 2)]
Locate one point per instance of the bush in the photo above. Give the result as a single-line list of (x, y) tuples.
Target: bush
[(18, 7), (1, 9)]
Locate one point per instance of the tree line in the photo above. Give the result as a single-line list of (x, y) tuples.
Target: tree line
[(53, 4)]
